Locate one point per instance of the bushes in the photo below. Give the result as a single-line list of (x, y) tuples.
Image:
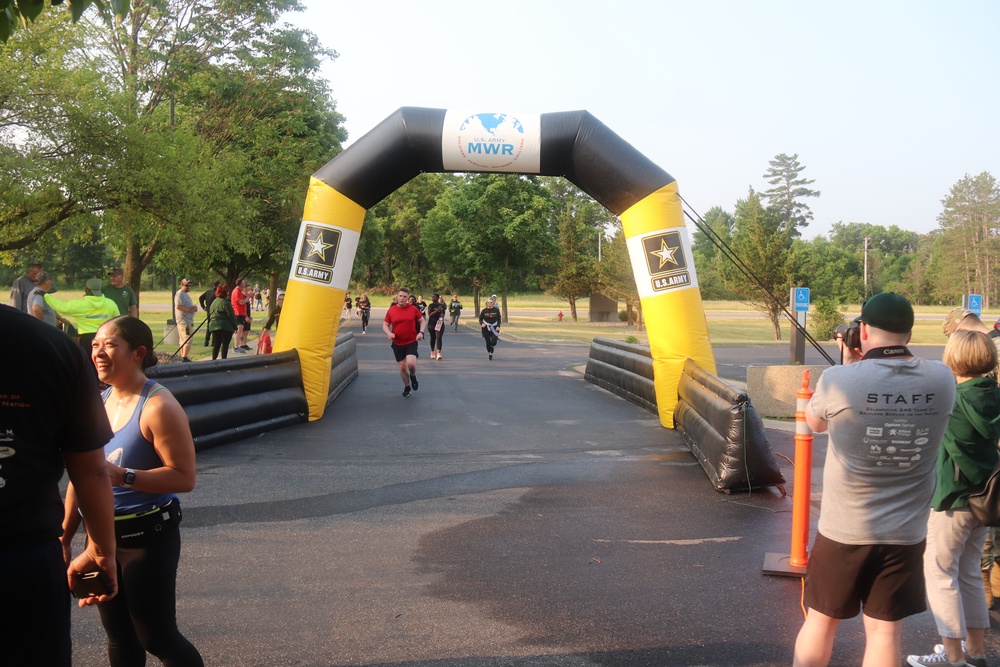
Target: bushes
[(825, 319)]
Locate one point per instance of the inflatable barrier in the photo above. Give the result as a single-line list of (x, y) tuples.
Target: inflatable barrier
[(571, 144), (717, 421), (724, 432), (624, 369), (231, 399)]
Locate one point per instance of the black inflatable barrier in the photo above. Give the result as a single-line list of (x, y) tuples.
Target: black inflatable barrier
[(624, 369), (725, 432), (231, 399), (345, 365), (718, 422)]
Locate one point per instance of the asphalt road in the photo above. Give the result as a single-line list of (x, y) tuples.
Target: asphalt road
[(508, 513)]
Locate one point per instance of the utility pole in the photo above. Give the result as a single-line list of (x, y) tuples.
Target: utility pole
[(866, 267)]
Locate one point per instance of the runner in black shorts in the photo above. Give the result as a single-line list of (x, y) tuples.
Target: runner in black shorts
[(404, 325)]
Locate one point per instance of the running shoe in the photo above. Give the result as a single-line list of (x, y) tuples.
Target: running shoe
[(413, 382), (936, 658), (406, 391)]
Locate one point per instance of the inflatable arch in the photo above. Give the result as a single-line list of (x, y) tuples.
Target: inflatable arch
[(571, 144)]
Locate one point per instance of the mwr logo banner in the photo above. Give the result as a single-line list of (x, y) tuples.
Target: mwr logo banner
[(491, 142), (665, 256), (324, 254)]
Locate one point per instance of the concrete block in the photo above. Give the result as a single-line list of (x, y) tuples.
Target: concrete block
[(772, 388)]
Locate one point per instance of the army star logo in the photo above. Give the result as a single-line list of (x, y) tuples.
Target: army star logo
[(664, 253), (318, 247)]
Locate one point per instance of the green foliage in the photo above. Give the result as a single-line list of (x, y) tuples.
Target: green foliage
[(826, 316), (497, 227), (715, 229), (617, 279), (787, 189), (631, 340), (14, 12), (763, 243), (581, 224)]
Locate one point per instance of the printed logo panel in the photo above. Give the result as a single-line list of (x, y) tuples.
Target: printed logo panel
[(666, 262), (660, 261), (491, 142), (324, 254)]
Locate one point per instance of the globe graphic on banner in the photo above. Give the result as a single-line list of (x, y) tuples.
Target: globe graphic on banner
[(491, 140)]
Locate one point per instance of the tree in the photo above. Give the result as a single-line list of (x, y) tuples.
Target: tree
[(190, 129), (580, 224), (617, 278), (787, 188), (499, 226), (14, 13), (968, 246), (404, 255), (762, 241), (716, 229)]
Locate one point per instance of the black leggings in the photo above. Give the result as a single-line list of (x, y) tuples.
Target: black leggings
[(365, 314), (491, 339), (220, 342), (437, 337), (142, 617)]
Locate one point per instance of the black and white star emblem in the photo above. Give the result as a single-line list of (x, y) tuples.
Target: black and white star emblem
[(663, 253)]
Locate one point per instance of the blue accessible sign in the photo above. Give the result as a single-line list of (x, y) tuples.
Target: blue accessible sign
[(800, 298)]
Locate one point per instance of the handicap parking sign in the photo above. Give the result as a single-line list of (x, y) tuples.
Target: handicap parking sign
[(800, 296), (976, 303)]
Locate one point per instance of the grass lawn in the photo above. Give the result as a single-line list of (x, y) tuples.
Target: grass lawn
[(740, 329)]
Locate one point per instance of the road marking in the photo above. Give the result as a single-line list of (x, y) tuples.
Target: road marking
[(681, 543)]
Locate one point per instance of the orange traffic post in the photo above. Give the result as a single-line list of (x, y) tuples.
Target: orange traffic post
[(803, 477)]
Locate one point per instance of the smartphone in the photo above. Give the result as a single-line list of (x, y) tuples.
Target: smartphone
[(91, 584)]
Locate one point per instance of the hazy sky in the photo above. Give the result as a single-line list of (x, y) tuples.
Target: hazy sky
[(887, 103)]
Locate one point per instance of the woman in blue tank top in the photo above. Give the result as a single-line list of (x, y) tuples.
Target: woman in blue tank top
[(150, 460)]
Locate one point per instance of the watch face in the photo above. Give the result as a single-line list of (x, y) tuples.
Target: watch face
[(129, 478)]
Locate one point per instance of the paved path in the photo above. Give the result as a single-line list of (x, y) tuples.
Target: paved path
[(508, 513)]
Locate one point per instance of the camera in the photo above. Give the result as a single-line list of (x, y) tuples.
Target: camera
[(851, 333)]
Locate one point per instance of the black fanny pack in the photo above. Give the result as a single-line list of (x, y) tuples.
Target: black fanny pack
[(133, 529)]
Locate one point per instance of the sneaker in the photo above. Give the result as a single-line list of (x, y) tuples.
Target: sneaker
[(362, 332), (413, 381), (935, 658), (406, 391), (246, 348), (491, 357), (186, 360), (439, 356), (240, 350), (975, 661)]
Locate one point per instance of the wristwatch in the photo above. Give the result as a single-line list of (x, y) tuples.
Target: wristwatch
[(129, 478)]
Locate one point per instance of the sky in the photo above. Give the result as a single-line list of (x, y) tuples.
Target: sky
[(887, 103)]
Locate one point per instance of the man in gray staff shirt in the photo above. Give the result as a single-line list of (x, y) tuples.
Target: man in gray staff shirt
[(886, 411)]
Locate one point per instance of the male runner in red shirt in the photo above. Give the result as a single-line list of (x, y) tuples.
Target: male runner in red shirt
[(404, 325)]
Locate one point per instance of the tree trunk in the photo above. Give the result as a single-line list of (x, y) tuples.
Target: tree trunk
[(572, 307)]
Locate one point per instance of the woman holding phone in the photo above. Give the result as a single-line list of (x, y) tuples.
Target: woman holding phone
[(150, 460)]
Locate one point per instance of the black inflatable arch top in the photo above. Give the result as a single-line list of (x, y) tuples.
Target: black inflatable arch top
[(574, 145)]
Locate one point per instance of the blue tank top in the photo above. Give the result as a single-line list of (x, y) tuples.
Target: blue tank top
[(130, 449)]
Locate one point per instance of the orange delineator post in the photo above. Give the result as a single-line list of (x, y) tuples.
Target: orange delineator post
[(803, 477)]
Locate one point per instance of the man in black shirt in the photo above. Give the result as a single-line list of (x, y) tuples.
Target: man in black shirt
[(50, 416)]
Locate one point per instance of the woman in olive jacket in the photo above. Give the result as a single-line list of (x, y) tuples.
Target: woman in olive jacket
[(221, 322)]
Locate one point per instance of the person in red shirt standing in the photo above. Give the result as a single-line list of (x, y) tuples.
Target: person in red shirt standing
[(239, 301), (405, 325)]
